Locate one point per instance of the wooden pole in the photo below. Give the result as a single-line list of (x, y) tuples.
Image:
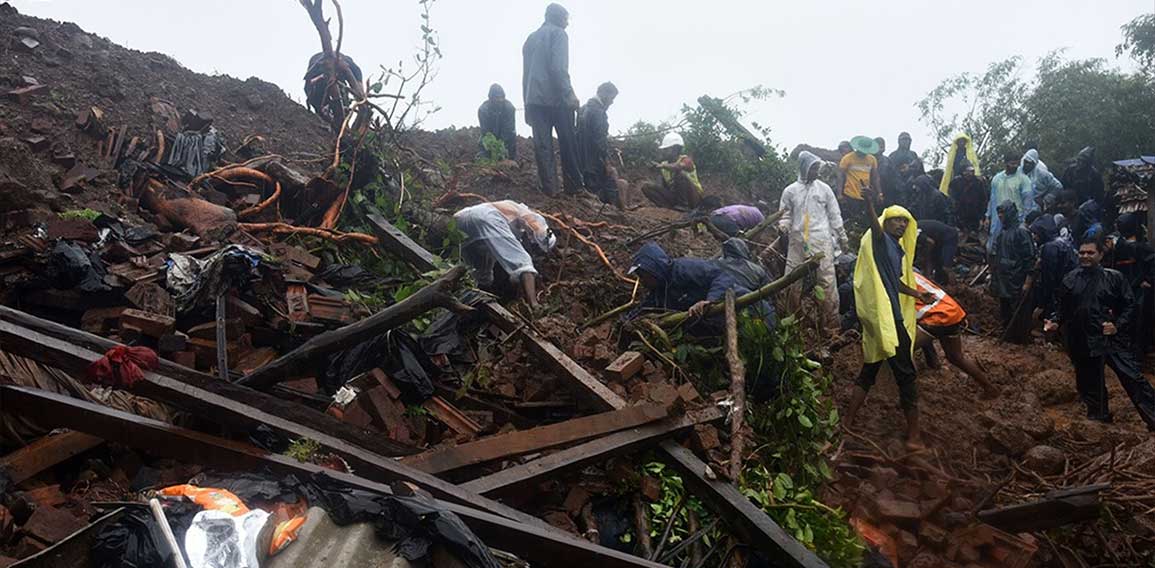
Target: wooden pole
[(737, 388), (222, 338), (304, 358), (762, 293)]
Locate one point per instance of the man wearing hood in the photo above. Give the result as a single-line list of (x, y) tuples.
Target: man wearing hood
[(550, 102), (1044, 184), (502, 234), (927, 203), (888, 178), (962, 149), (1134, 258), (594, 145), (903, 155), (1013, 260), (1008, 185), (884, 297), (1083, 177), (1096, 310), (1056, 258), (497, 117), (969, 193), (812, 221), (742, 275)]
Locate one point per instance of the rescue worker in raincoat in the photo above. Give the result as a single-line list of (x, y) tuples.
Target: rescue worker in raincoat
[(926, 203), (943, 320), (742, 275), (497, 116), (903, 155), (1134, 258), (1013, 260), (1083, 177), (962, 148), (884, 296), (550, 102), (812, 221), (969, 193), (1096, 309), (594, 146), (1056, 258), (1044, 184), (1012, 185), (502, 234)]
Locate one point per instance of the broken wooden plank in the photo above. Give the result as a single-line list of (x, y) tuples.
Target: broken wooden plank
[(450, 416), (535, 439), (397, 243), (592, 452), (293, 364), (1055, 509), (150, 324), (45, 453), (533, 541)]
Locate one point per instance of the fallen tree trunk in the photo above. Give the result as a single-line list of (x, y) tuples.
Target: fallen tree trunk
[(716, 308), (766, 223), (301, 360)]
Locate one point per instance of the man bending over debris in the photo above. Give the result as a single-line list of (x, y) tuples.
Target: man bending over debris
[(944, 319), (679, 185), (884, 293), (812, 221), (735, 219), (1096, 309), (500, 233), (496, 116)]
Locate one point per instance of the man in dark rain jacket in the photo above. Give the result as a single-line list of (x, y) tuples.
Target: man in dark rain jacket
[(742, 275), (1134, 258), (1083, 177), (594, 146), (1014, 258), (1056, 258), (497, 117), (550, 102), (1096, 309), (926, 202), (970, 194)]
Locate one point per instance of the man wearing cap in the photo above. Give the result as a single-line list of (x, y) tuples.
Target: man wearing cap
[(903, 155), (679, 186), (502, 234), (812, 221), (497, 117), (594, 145), (550, 102), (859, 171)]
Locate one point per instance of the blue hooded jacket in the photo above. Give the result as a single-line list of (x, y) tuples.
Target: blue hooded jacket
[(682, 282), (741, 274)]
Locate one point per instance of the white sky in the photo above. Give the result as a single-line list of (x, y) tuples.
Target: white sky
[(660, 53)]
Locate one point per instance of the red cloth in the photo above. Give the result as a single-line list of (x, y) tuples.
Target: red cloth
[(122, 366)]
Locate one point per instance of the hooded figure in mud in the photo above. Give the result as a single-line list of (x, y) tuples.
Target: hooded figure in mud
[(812, 220), (496, 116), (1014, 258)]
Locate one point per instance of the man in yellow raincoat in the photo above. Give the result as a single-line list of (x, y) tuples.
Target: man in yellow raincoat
[(884, 293), (962, 148)]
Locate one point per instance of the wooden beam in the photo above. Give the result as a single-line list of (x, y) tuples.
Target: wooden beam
[(535, 439), (306, 357), (210, 406), (397, 243), (752, 523), (1055, 509), (286, 410), (595, 451), (535, 543), (45, 453)]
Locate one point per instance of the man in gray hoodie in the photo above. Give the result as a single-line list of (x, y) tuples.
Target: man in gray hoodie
[(550, 102)]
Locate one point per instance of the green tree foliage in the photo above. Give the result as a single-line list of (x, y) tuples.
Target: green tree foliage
[(1067, 105), (1139, 41)]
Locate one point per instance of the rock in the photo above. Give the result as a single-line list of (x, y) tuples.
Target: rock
[(932, 535), (898, 511), (24, 31), (1036, 424), (576, 499), (254, 101), (883, 477), (1008, 440), (26, 44), (1045, 460), (1054, 387)]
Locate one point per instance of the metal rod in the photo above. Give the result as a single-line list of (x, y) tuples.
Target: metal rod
[(158, 514)]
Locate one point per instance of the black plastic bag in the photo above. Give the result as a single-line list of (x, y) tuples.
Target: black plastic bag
[(446, 333), (135, 540), (73, 268), (395, 352)]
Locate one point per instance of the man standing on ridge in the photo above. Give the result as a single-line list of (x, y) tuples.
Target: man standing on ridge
[(962, 149), (903, 155), (859, 170), (550, 102)]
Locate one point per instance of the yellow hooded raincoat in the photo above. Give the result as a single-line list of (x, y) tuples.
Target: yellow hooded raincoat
[(948, 172), (879, 335)]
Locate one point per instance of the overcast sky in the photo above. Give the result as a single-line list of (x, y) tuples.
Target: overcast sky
[(847, 67)]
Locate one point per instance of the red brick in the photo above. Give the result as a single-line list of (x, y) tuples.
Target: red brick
[(152, 325), (627, 365), (51, 525), (651, 488)]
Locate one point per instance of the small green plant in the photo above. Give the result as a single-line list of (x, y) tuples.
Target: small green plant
[(85, 214), (495, 150), (303, 450)]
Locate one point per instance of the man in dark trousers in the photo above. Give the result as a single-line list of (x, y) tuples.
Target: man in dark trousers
[(1096, 310), (497, 117), (594, 146), (550, 102), (1013, 259)]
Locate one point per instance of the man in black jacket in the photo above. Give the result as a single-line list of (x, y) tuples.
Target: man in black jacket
[(1083, 177), (550, 102), (1097, 309), (497, 117), (594, 145)]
